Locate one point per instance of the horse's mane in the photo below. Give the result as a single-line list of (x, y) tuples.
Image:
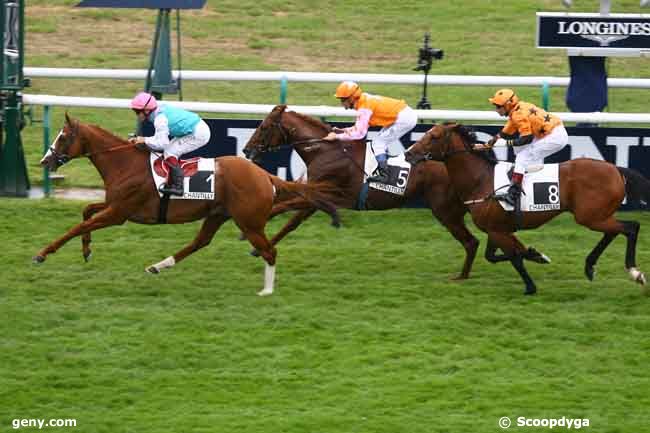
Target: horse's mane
[(469, 137), (312, 121), (102, 132)]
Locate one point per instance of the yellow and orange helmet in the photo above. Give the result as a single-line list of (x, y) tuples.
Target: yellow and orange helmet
[(505, 98), (348, 89)]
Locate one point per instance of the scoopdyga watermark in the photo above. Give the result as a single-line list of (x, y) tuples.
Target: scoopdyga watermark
[(564, 422)]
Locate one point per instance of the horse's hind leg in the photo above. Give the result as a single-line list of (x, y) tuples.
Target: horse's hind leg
[(268, 253), (513, 249), (632, 233), (210, 226), (612, 227), (594, 255), (88, 212)]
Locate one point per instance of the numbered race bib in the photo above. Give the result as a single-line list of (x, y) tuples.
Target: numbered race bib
[(541, 189), (398, 172)]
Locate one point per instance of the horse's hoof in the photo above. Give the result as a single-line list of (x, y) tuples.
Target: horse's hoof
[(336, 224), (530, 291), (152, 270), (460, 277), (265, 292), (38, 259), (255, 253), (537, 257), (589, 272), (87, 257), (637, 275)]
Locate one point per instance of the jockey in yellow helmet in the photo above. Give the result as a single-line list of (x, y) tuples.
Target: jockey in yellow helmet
[(533, 133), (393, 115)]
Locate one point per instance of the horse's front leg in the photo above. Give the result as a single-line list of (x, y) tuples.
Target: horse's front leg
[(105, 218), (202, 239), (515, 251), (88, 212)]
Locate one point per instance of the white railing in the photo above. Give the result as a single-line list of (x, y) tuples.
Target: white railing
[(324, 111), (435, 80)]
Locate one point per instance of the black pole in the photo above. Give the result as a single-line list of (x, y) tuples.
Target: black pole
[(424, 103)]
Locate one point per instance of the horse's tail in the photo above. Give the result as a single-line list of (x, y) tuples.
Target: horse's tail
[(318, 194), (637, 186)]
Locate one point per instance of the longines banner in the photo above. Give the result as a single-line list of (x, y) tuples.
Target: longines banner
[(564, 30), (625, 147)]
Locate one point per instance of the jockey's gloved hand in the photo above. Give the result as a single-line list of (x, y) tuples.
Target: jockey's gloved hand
[(142, 146), (491, 141)]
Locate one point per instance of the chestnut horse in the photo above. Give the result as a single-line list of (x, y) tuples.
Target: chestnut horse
[(243, 191), (342, 164), (591, 190)]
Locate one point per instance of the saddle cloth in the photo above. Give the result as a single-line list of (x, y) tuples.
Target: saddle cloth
[(541, 188), (398, 169), (198, 183)]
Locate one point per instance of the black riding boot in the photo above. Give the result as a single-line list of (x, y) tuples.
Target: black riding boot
[(175, 184), (512, 196), (381, 175)]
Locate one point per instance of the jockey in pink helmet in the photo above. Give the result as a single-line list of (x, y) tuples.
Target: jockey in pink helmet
[(187, 130)]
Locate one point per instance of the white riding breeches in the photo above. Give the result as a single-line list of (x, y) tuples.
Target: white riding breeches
[(535, 152), (405, 122), (179, 146)]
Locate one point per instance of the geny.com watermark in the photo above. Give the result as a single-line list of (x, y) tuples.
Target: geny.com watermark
[(564, 422), (42, 423)]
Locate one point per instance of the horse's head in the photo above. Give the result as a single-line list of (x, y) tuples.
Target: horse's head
[(440, 142), (66, 146), (269, 136)]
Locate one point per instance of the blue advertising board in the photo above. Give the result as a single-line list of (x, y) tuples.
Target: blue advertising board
[(613, 31)]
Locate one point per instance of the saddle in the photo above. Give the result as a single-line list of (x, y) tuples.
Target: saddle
[(189, 166)]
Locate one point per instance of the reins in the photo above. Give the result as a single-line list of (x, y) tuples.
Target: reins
[(112, 149)]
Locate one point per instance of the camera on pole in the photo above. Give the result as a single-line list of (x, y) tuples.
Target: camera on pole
[(426, 55)]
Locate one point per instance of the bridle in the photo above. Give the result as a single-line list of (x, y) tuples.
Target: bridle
[(264, 144), (62, 157), (445, 153)]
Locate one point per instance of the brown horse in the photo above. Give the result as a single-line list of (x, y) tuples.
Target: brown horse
[(342, 164), (591, 190), (243, 192)]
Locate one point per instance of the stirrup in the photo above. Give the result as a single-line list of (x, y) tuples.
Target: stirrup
[(381, 177), (511, 199), (170, 189)]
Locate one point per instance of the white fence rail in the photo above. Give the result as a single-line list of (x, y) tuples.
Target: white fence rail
[(435, 80), (325, 111)]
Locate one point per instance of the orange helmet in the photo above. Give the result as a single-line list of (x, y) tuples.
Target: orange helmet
[(505, 98), (347, 89)]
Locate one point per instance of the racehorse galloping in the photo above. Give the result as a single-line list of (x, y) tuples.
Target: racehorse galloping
[(342, 164), (591, 190), (243, 192)]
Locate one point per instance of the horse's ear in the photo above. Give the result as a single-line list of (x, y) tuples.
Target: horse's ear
[(67, 118), (280, 108)]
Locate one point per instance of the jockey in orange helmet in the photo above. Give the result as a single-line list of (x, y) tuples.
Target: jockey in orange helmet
[(187, 130), (393, 115), (540, 134)]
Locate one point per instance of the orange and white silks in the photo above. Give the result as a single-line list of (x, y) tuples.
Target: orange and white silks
[(373, 110), (527, 119)]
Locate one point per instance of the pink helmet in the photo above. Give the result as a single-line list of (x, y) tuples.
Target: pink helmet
[(144, 101)]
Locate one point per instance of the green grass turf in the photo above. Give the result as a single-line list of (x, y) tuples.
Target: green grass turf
[(366, 333), (479, 38)]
